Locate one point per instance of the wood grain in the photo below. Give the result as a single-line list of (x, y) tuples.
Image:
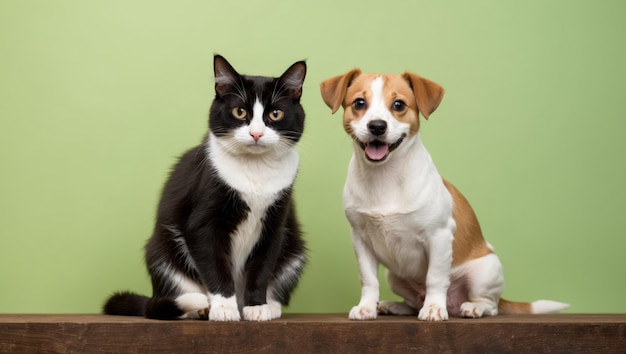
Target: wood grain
[(314, 333)]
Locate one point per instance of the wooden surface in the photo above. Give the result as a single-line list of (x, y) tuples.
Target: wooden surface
[(314, 334)]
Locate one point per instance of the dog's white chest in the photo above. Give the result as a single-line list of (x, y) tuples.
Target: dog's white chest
[(398, 208), (398, 242)]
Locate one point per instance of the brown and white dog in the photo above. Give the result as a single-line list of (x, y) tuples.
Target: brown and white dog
[(404, 215)]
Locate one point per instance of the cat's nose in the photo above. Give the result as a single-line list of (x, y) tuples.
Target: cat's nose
[(256, 136)]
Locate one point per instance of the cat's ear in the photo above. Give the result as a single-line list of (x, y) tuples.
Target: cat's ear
[(225, 75), (293, 78)]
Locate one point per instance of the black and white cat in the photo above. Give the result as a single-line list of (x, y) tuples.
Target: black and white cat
[(227, 243)]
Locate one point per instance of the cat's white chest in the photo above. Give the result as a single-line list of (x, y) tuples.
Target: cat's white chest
[(245, 237), (259, 179)]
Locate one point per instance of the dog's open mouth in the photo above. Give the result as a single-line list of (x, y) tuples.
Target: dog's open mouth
[(377, 150)]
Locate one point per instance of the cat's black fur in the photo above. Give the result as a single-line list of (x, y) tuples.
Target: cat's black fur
[(199, 212)]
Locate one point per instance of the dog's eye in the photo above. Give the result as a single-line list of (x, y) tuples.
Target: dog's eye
[(358, 104), (398, 106), (276, 115), (239, 113)]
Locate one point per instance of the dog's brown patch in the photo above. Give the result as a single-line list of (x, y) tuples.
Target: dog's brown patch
[(397, 88), (506, 307), (468, 239), (359, 88)]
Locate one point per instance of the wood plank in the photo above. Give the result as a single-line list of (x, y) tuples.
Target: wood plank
[(319, 333)]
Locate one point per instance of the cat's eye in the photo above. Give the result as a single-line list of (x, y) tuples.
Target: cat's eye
[(276, 115), (359, 104), (398, 106), (239, 113)]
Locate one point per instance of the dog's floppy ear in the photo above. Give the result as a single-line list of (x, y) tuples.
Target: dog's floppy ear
[(334, 89), (428, 94)]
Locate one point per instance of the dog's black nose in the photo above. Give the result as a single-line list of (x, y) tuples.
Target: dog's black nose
[(377, 127)]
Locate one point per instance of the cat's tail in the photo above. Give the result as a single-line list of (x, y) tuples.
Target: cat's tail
[(506, 307), (125, 303)]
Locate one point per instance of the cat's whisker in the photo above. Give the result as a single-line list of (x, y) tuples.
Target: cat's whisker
[(242, 91)]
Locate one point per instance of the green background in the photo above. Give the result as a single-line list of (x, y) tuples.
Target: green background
[(98, 98)]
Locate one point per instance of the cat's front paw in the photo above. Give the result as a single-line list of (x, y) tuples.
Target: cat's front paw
[(224, 314), (276, 308), (257, 313), (363, 313)]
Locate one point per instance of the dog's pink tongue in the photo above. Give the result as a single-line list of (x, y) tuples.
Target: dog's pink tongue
[(376, 151)]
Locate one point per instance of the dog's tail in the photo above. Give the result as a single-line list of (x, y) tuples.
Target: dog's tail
[(125, 303), (506, 307)]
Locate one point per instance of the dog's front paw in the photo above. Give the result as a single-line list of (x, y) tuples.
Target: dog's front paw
[(363, 313), (224, 314), (433, 312), (257, 313)]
